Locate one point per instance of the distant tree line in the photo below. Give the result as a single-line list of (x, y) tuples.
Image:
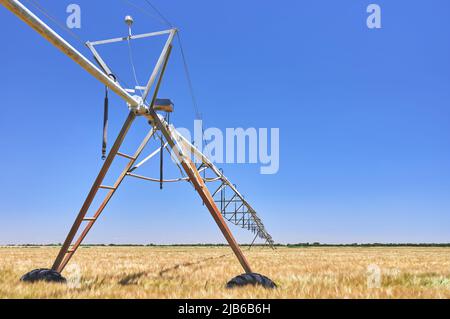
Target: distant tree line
[(297, 245), (316, 244)]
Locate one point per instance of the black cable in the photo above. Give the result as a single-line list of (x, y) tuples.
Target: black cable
[(105, 123), (197, 112), (183, 56), (189, 79), (159, 13), (161, 161), (145, 12)]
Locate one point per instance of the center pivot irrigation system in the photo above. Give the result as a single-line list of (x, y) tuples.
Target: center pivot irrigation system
[(224, 203)]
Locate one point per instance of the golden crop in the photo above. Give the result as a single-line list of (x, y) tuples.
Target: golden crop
[(202, 272)]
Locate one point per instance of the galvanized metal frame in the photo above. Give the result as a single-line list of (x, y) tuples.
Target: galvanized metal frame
[(133, 37), (180, 146)]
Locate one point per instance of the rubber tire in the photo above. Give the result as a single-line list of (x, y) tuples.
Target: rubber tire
[(43, 274), (251, 279)]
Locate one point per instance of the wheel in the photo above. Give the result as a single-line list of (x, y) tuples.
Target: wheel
[(251, 279), (43, 274)]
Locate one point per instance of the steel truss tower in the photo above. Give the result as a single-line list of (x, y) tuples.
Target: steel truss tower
[(233, 207)]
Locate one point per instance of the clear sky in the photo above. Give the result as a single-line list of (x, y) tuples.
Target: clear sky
[(364, 119)]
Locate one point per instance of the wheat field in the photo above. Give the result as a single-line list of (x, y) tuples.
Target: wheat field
[(202, 272)]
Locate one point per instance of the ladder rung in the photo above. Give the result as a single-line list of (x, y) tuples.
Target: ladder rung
[(70, 251), (107, 187), (126, 156), (89, 218)]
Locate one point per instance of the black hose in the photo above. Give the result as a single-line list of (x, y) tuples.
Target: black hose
[(105, 123)]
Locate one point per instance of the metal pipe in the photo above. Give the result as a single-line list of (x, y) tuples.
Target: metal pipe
[(147, 158), (161, 60), (54, 38), (99, 59), (133, 37), (150, 179), (126, 156)]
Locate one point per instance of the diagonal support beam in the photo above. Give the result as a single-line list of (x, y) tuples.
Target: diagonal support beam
[(105, 201), (199, 185), (95, 187), (54, 38), (147, 158)]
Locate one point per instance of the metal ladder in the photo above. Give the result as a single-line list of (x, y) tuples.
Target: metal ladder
[(70, 245)]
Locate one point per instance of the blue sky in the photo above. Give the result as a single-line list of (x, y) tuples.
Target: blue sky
[(364, 119)]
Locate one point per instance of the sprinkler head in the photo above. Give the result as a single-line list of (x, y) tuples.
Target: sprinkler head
[(129, 21)]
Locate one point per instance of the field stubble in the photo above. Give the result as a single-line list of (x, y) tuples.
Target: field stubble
[(202, 272)]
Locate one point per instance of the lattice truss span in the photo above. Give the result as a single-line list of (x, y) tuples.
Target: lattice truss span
[(232, 204)]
